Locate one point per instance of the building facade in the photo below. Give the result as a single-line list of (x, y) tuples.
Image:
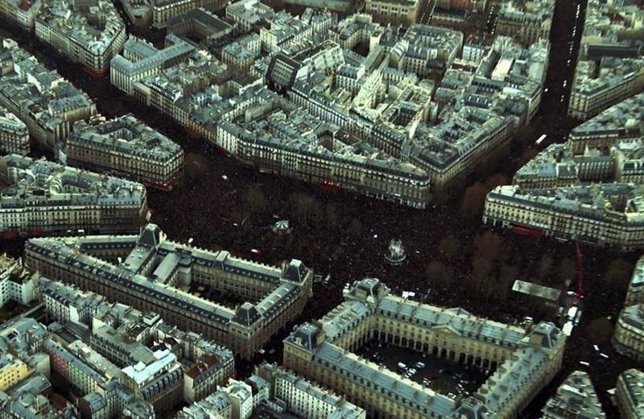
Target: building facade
[(601, 214), (49, 197), (124, 147), (525, 360), (629, 394), (88, 34), (14, 136), (153, 267)]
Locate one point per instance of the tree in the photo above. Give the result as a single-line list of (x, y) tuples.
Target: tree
[(509, 273), (355, 227), (255, 199), (618, 273), (600, 330), (488, 245), (495, 180), (545, 265), (473, 200), (439, 274), (481, 267), (450, 246), (567, 270), (305, 207)]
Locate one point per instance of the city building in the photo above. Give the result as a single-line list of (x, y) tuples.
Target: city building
[(200, 24), (284, 31), (629, 394), (249, 14), (576, 397), (14, 136), (404, 12), (165, 10), (152, 269), (604, 214), (243, 52), (588, 189), (33, 398), (124, 147), (141, 59), (523, 360), (16, 284), (21, 12), (525, 21), (610, 66), (599, 86), (65, 304), (216, 406), (305, 399), (86, 33), (635, 292), (291, 142), (402, 123), (45, 102), (139, 12), (21, 361), (628, 335), (43, 196), (620, 122), (127, 355)]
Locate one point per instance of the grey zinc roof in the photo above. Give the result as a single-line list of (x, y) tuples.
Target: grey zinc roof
[(385, 382), (343, 318), (456, 319), (514, 373)]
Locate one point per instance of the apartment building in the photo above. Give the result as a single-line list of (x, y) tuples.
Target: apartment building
[(86, 33), (304, 398), (32, 397), (14, 136), (404, 12), (276, 143), (576, 397), (526, 22), (140, 59), (165, 10), (152, 268), (597, 86), (620, 122), (16, 284), (43, 196), (124, 147), (45, 102), (21, 12), (524, 360), (126, 355), (249, 14), (400, 124), (629, 394), (600, 214), (628, 335), (610, 66)]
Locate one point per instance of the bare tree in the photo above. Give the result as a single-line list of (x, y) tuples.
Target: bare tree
[(439, 274), (567, 270), (355, 227), (618, 273), (545, 266), (488, 245), (255, 199), (450, 247), (473, 200)]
